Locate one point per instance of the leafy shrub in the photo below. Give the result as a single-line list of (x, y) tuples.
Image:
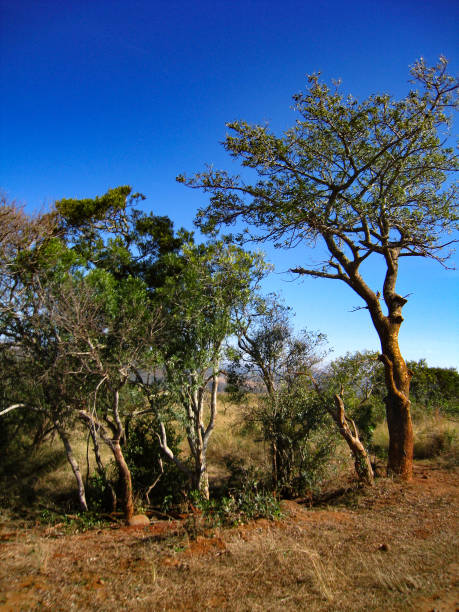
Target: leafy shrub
[(367, 416), (251, 501), (434, 389), (300, 435), (73, 523), (100, 492), (142, 454)]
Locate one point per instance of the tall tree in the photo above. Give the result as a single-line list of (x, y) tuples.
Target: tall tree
[(111, 324), (364, 178)]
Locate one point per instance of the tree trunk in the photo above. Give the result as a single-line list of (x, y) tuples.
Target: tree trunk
[(110, 500), (361, 459), (201, 437), (125, 480), (74, 465), (275, 464), (398, 376), (203, 483), (200, 479)]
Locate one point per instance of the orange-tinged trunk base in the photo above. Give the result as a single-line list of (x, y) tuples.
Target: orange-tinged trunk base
[(401, 441)]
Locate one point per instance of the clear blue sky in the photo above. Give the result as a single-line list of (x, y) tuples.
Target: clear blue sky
[(95, 94)]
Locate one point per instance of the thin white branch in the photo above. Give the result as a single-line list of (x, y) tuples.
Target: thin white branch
[(13, 407)]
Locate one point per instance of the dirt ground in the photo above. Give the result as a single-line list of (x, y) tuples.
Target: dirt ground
[(391, 548)]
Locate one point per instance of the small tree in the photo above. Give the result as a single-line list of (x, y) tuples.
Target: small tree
[(361, 377), (110, 328), (367, 179), (198, 305), (269, 355), (292, 410), (115, 333), (30, 343)]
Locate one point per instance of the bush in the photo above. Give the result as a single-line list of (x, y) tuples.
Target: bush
[(142, 454), (367, 416), (300, 435), (248, 502), (100, 492)]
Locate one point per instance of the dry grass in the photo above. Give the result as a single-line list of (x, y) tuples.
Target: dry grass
[(434, 435), (230, 441), (393, 547), (390, 548)]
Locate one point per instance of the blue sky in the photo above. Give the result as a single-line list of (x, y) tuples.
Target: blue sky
[(95, 94)]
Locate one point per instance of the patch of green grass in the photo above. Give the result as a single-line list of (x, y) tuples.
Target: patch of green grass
[(74, 523)]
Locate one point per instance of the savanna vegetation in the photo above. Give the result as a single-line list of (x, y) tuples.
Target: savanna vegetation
[(144, 374)]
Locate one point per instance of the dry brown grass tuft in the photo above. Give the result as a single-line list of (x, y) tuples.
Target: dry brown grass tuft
[(230, 442), (434, 435)]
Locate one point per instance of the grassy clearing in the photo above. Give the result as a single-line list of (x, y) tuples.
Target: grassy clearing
[(390, 548), (232, 442)]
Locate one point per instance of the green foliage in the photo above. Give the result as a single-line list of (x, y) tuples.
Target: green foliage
[(198, 306), (271, 358), (111, 235), (372, 171), (74, 523), (366, 416), (98, 489), (434, 388), (301, 437), (214, 280), (142, 453), (78, 212), (360, 376), (251, 501), (268, 352), (236, 389)]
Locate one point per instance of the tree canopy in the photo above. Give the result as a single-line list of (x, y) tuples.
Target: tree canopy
[(367, 177), (364, 178)]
